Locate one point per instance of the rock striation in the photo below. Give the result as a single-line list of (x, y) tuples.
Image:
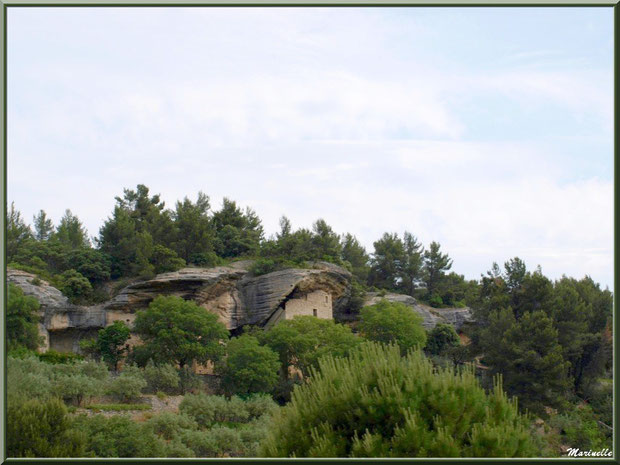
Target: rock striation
[(232, 292), (432, 316)]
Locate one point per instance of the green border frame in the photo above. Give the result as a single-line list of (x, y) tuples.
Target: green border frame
[(6, 4)]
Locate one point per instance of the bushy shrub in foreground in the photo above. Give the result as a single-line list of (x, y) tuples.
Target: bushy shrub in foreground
[(376, 404)]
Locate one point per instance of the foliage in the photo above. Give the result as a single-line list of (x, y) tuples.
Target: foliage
[(441, 338), (74, 285), (40, 428), (377, 404), (76, 387), (117, 407), (355, 255), (128, 385), (386, 262), (168, 424), (300, 342), (579, 429), (392, 322), (208, 410), (21, 320), (164, 377), (18, 233), (118, 436), (179, 331), (528, 355), (43, 226), (195, 232), (111, 343), (434, 268), (248, 367), (54, 357), (238, 233)]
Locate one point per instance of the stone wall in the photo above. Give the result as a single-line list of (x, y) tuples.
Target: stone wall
[(317, 303)]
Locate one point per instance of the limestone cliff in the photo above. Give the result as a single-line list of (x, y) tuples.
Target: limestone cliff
[(232, 292)]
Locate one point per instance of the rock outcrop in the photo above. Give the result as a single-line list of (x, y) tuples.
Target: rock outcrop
[(454, 316), (232, 292)]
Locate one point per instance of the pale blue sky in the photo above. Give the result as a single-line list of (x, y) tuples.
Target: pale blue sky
[(489, 130)]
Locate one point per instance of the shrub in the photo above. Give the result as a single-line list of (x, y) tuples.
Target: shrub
[(128, 385), (436, 301), (74, 285), (200, 442), (54, 357), (169, 425), (41, 429), (376, 403), (248, 367), (189, 381), (21, 319), (118, 436), (77, 387), (259, 405), (579, 429), (209, 410), (392, 322), (440, 338), (164, 378)]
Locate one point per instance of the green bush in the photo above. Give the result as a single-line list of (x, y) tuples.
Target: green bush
[(376, 403), (21, 320), (41, 429), (578, 428), (388, 322), (436, 301), (29, 377), (189, 381), (118, 436), (441, 338), (75, 286), (54, 357), (248, 367), (209, 410), (164, 378), (77, 388), (128, 385), (169, 425)]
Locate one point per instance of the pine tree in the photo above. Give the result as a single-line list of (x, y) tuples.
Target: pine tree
[(43, 226), (376, 404)]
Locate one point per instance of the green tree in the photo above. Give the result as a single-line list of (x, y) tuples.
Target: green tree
[(70, 232), (38, 428), (164, 260), (111, 343), (441, 338), (18, 233), (376, 403), (43, 226), (74, 285), (238, 233), (21, 320), (195, 234), (248, 367), (435, 266), (178, 330), (354, 253), (90, 263), (325, 242), (300, 342), (411, 267), (387, 262), (392, 322), (529, 357)]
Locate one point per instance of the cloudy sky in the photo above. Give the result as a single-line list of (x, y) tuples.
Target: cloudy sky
[(488, 130)]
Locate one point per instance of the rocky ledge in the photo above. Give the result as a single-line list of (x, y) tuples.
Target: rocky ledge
[(232, 292), (454, 316)]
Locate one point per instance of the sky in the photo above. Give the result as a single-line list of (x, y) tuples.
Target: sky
[(488, 130)]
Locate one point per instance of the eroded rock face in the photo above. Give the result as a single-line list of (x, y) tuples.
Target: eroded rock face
[(432, 316), (236, 296), (57, 314)]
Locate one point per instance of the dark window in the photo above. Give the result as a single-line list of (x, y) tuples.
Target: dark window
[(314, 312)]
